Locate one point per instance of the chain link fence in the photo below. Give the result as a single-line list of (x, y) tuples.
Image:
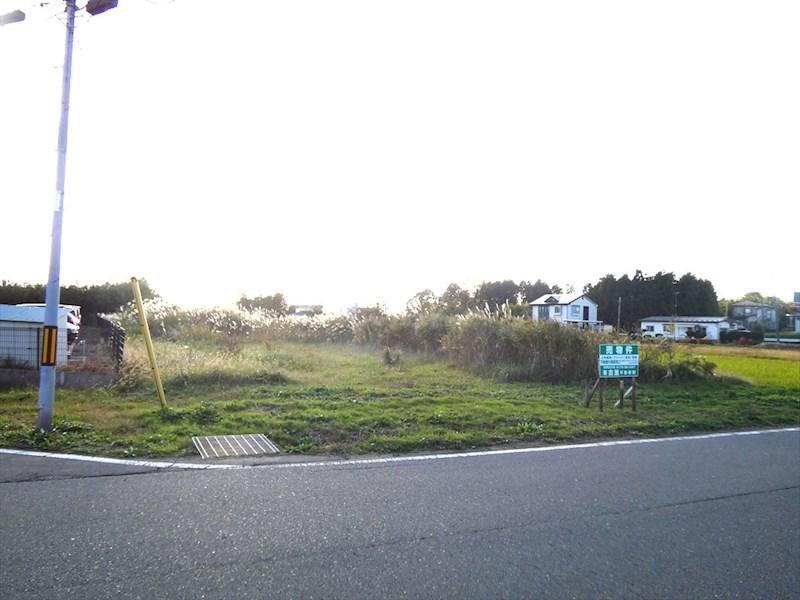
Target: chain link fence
[(20, 347)]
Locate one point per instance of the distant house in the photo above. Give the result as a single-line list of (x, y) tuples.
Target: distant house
[(305, 310), (747, 313), (568, 309), (678, 328)]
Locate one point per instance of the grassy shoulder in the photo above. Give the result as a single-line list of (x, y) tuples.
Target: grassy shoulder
[(318, 398)]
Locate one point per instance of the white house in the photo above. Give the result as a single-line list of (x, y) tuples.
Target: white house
[(569, 309), (677, 328), (21, 335)]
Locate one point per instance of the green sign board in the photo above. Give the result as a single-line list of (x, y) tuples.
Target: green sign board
[(618, 361)]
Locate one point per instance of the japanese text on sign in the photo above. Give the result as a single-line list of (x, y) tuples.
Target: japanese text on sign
[(618, 360)]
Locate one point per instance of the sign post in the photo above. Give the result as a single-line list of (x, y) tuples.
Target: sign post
[(616, 361)]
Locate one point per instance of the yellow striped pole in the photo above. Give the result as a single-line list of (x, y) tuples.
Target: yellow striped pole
[(49, 346), (137, 295)]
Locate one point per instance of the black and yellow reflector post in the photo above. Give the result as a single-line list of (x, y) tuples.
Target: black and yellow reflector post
[(49, 346), (151, 354)]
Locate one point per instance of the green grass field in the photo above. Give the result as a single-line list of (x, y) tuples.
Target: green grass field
[(755, 365), (343, 399)]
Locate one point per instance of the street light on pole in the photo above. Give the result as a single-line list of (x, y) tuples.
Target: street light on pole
[(13, 17), (48, 359)]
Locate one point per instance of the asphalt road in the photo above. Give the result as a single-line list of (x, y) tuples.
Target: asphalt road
[(699, 518)]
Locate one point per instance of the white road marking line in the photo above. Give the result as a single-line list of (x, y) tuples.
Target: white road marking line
[(117, 461), (394, 459), (368, 461)]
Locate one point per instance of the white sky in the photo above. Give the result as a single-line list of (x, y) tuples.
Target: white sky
[(358, 152)]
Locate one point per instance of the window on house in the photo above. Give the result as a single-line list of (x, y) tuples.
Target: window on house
[(575, 311), (748, 310), (556, 310), (649, 328)]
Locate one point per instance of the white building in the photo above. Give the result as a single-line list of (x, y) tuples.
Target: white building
[(577, 310), (677, 328), (21, 335)]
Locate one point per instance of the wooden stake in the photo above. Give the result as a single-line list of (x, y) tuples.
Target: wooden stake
[(633, 398), (590, 392), (600, 397), (621, 393)]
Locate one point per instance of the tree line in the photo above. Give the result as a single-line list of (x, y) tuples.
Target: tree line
[(456, 300), (102, 298), (661, 294), (641, 296)]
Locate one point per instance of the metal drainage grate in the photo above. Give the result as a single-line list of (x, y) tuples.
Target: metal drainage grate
[(226, 446)]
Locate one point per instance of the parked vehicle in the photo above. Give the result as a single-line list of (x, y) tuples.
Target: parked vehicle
[(73, 319)]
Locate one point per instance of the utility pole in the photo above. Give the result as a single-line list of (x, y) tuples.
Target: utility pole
[(675, 317), (49, 357), (619, 313), (47, 373)]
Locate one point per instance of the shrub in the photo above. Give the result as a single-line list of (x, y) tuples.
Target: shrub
[(228, 327), (389, 330), (430, 330), (741, 337), (494, 343), (369, 330), (659, 362), (390, 357), (519, 349)]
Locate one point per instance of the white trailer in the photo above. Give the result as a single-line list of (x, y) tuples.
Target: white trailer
[(21, 335), (680, 328)]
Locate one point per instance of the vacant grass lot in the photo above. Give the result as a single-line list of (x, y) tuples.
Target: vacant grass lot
[(343, 399)]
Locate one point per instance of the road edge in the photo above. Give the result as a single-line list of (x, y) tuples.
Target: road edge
[(388, 459)]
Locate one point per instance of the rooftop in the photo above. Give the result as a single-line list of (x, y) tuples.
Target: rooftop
[(556, 299), (28, 314), (750, 303), (680, 319)]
